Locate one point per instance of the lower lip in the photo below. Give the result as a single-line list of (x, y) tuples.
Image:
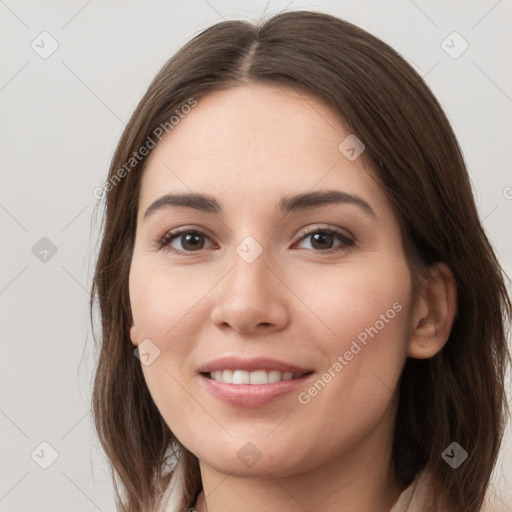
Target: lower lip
[(252, 395)]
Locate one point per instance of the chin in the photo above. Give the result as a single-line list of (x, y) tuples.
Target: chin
[(257, 458)]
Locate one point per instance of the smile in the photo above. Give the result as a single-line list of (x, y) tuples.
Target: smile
[(254, 378)]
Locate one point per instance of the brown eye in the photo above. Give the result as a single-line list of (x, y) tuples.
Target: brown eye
[(322, 240), (184, 241), (325, 240)]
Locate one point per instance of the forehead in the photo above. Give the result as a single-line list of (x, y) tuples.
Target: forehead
[(250, 143)]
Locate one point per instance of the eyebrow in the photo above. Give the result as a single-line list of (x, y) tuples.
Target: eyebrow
[(291, 203)]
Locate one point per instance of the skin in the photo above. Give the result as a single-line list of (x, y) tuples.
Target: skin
[(247, 147)]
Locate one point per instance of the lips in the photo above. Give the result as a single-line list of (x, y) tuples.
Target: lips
[(251, 382)]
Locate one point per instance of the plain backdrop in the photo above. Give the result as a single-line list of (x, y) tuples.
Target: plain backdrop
[(61, 116)]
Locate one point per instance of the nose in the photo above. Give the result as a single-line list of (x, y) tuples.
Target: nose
[(251, 298)]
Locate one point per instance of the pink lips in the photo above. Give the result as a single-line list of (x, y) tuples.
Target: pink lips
[(251, 395)]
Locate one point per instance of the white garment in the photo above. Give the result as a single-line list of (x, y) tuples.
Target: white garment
[(171, 499), (414, 497)]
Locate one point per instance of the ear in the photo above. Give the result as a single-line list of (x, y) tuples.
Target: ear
[(134, 335), (434, 312)]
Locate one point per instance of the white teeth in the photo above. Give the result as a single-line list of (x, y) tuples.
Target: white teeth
[(240, 377), (256, 377), (227, 376), (274, 376)]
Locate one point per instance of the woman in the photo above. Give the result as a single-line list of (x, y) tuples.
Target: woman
[(292, 248)]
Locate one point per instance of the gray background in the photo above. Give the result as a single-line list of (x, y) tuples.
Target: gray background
[(61, 118)]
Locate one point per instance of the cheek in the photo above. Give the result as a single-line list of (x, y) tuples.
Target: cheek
[(162, 303), (161, 299), (366, 318), (167, 308), (363, 300)]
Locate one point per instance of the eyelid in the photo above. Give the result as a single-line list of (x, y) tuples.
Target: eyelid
[(308, 230)]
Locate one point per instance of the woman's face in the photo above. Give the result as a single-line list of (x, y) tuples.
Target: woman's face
[(261, 284)]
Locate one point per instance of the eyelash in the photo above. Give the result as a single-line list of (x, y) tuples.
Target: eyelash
[(347, 243)]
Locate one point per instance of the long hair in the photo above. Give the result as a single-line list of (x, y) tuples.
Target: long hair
[(411, 150)]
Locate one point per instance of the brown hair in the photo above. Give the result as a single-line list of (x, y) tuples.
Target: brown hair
[(457, 395)]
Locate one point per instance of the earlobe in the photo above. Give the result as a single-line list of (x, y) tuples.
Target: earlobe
[(434, 313), (134, 336)]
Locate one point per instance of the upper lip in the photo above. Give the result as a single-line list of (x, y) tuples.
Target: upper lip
[(250, 365)]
